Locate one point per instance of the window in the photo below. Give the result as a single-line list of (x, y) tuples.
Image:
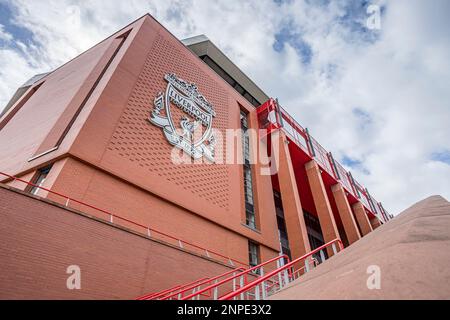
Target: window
[(282, 230), (315, 235), (40, 179), (253, 254), (248, 178)]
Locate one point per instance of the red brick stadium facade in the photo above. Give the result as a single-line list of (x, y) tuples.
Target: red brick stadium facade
[(111, 200)]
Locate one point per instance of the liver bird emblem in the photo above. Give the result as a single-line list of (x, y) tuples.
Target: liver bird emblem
[(188, 127)]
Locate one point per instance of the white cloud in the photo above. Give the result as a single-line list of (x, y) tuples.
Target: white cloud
[(401, 80), (5, 36)]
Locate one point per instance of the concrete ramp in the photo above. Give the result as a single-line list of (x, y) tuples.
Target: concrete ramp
[(411, 252)]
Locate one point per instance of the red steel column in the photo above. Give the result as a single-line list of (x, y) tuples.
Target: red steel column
[(324, 212), (362, 218), (292, 207), (375, 223), (346, 214)]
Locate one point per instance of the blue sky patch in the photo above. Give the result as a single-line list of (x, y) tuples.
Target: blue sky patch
[(288, 35), (354, 20), (281, 2), (364, 118), (441, 156), (354, 164), (321, 3), (7, 20)]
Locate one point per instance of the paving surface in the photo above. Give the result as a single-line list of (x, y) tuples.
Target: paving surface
[(412, 252)]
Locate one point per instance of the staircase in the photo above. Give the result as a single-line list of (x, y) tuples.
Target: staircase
[(251, 283)]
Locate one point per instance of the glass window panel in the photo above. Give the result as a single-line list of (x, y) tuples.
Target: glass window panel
[(248, 178)]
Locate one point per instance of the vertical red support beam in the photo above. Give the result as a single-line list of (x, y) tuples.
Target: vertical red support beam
[(375, 222), (346, 214), (321, 202), (292, 207), (362, 218)]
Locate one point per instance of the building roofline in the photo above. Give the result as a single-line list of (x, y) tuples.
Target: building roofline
[(201, 45)]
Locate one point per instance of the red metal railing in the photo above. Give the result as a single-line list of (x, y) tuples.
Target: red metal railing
[(146, 230), (343, 176), (196, 287), (294, 130), (321, 156), (362, 195), (315, 150), (386, 215), (379, 212), (242, 276), (157, 295), (281, 119), (178, 291), (276, 273)]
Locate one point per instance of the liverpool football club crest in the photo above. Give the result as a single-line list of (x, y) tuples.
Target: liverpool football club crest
[(185, 117)]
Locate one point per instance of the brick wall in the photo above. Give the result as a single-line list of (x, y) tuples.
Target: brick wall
[(39, 240)]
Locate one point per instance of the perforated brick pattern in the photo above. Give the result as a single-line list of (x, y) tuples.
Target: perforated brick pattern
[(137, 140)]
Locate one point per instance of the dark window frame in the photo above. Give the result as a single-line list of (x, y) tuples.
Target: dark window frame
[(230, 80), (39, 179), (249, 194), (254, 254)]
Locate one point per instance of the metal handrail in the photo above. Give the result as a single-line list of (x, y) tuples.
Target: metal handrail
[(197, 285), (321, 156), (113, 216), (343, 174), (169, 291), (294, 123), (275, 272), (151, 295), (292, 276), (235, 277)]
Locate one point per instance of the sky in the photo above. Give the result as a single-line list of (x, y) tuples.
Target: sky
[(377, 98)]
